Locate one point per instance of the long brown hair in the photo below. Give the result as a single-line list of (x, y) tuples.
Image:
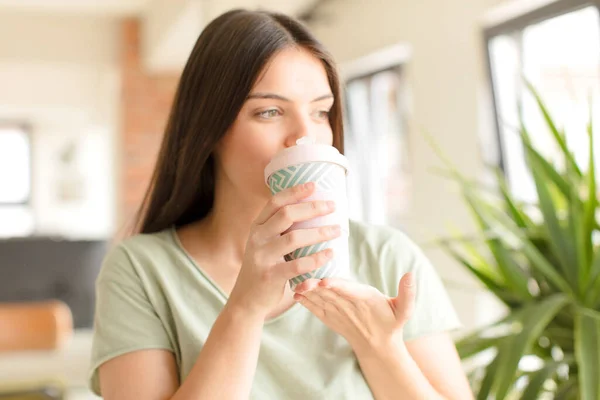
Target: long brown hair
[(224, 65)]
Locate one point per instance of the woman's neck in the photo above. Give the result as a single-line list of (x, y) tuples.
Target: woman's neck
[(227, 226)]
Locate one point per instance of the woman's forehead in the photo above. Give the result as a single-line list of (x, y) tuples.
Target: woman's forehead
[(294, 72)]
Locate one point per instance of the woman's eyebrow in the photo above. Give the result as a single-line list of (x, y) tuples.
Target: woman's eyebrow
[(278, 97)]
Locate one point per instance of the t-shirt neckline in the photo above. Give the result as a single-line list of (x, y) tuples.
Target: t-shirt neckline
[(224, 298)]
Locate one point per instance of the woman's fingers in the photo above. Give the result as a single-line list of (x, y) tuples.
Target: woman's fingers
[(289, 214), (405, 301), (354, 292), (307, 285), (341, 285), (298, 238), (288, 196), (310, 305), (303, 265), (331, 301)]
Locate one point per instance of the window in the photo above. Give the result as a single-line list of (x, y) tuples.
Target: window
[(376, 146), (16, 217), (15, 161), (556, 48)]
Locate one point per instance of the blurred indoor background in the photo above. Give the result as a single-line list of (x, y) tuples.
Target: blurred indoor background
[(86, 85)]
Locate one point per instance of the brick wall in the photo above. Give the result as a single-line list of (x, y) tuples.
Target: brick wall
[(146, 101)]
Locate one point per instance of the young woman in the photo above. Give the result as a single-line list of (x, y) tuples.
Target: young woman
[(197, 305)]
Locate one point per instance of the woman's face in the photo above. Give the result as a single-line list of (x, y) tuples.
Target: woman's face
[(291, 99)]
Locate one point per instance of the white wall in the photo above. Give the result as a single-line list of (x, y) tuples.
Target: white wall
[(61, 76), (446, 78)]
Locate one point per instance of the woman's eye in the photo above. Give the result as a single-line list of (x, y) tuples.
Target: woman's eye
[(269, 113), (323, 114)]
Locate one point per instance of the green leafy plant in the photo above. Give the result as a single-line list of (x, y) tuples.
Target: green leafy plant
[(541, 262)]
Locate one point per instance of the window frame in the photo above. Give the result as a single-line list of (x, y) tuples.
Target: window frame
[(393, 59), (515, 25), (26, 130)]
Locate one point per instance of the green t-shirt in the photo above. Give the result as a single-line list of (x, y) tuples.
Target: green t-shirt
[(151, 295)]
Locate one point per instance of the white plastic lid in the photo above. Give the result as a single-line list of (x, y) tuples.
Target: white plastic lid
[(305, 150)]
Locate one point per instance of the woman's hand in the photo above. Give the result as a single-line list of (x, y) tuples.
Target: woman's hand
[(261, 282), (360, 313)]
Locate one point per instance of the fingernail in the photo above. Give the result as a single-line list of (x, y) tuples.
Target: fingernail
[(409, 279), (325, 283), (308, 185), (335, 229), (331, 205), (328, 253)]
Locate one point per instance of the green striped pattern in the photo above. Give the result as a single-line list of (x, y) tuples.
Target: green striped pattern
[(327, 177), (323, 174), (328, 270)]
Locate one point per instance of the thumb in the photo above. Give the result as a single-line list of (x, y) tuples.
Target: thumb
[(405, 301)]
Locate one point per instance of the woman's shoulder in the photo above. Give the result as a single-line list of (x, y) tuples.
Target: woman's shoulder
[(383, 240), (380, 255), (146, 241), (137, 254)]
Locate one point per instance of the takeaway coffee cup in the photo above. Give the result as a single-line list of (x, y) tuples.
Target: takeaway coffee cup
[(322, 164)]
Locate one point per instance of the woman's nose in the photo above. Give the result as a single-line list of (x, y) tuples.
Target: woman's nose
[(298, 129)]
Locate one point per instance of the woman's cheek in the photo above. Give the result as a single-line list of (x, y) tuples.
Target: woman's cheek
[(325, 135)]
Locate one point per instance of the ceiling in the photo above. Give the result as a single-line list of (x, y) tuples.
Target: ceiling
[(120, 8), (95, 7), (169, 28)]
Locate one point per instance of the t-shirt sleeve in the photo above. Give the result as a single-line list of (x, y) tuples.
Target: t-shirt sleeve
[(124, 319), (434, 312)]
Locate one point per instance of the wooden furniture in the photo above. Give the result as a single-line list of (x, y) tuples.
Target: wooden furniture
[(34, 326)]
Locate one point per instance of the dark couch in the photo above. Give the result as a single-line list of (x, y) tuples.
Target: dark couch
[(43, 268)]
